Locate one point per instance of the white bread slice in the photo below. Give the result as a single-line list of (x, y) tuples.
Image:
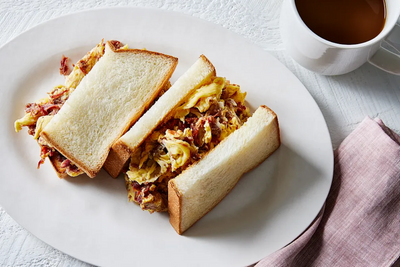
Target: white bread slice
[(198, 74), (203, 185), (106, 103)]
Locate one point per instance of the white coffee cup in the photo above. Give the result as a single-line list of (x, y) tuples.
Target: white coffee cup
[(328, 58)]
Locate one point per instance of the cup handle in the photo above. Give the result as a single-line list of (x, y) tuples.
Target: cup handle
[(385, 59)]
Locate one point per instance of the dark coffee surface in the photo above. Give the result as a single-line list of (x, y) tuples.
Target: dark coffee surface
[(343, 21)]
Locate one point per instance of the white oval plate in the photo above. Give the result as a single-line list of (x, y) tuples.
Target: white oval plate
[(92, 220)]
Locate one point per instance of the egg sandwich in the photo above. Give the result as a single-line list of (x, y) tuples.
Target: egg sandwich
[(105, 94), (188, 151)]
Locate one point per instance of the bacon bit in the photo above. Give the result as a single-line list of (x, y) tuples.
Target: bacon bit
[(198, 131), (51, 107), (41, 161), (215, 130), (55, 96), (59, 157), (218, 114), (84, 66), (32, 129), (51, 152), (138, 197), (191, 120), (231, 103), (171, 124), (65, 163), (64, 69), (44, 152), (195, 127), (240, 109), (136, 185), (195, 131), (42, 110), (35, 109), (73, 168), (141, 191), (146, 190), (195, 156), (116, 44), (214, 109)]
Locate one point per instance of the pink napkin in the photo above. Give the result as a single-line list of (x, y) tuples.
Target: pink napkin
[(360, 223)]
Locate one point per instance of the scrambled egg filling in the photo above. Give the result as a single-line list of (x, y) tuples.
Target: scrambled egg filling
[(204, 119), (38, 114)]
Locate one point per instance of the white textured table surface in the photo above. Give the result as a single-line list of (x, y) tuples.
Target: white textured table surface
[(344, 100)]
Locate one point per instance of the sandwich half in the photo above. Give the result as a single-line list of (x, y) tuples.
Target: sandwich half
[(40, 112), (199, 73), (185, 127), (203, 185), (105, 103)]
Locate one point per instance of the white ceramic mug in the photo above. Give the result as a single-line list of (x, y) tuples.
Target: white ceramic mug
[(328, 58)]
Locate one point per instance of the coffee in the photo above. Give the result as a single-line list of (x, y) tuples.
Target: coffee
[(343, 21)]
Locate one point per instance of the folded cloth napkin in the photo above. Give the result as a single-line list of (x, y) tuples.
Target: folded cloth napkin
[(360, 223)]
